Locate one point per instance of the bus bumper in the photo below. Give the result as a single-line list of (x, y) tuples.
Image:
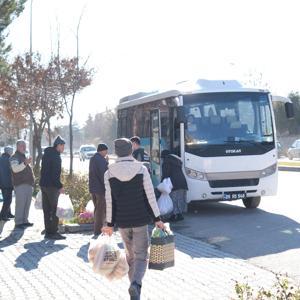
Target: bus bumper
[(201, 190)]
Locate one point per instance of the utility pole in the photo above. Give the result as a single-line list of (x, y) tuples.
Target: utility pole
[(30, 51)]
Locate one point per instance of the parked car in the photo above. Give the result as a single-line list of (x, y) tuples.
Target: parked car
[(294, 150), (86, 152)]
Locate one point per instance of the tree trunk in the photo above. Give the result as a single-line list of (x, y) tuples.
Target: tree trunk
[(37, 146), (71, 144), (49, 133), (34, 147), (18, 133)]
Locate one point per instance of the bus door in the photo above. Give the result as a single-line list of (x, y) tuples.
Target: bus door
[(155, 146)]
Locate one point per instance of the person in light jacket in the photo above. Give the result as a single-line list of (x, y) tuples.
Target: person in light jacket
[(172, 168), (131, 205)]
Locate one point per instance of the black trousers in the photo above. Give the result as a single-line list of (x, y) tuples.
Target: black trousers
[(7, 198), (50, 198)]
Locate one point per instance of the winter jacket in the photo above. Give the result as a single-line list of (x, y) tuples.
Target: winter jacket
[(51, 169), (140, 155), (172, 167), (130, 199), (5, 172), (21, 173), (98, 166)]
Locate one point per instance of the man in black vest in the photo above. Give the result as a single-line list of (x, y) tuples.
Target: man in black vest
[(131, 205), (52, 187)]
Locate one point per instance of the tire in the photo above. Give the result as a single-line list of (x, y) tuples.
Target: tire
[(252, 202)]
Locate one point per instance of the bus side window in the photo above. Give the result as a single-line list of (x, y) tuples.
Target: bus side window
[(122, 123), (175, 146), (165, 130)]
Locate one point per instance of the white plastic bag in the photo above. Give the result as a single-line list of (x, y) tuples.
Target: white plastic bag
[(165, 204), (104, 255), (90, 207), (65, 208), (165, 186), (38, 203), (120, 270)]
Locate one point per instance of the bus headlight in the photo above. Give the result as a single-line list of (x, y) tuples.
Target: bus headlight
[(268, 171), (195, 174)]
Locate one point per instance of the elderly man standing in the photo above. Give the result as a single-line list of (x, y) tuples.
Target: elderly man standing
[(23, 182), (6, 184)]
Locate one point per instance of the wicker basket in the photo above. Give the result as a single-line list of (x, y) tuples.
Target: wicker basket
[(162, 251)]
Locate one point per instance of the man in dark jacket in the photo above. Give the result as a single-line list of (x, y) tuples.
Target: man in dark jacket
[(138, 152), (52, 187), (97, 168), (172, 168), (6, 184), (131, 205)]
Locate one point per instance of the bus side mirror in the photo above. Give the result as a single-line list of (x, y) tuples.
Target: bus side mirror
[(181, 118), (289, 110)]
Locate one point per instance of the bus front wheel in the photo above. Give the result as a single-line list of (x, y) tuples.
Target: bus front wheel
[(252, 202)]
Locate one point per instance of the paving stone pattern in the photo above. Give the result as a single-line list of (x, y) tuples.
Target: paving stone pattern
[(34, 268)]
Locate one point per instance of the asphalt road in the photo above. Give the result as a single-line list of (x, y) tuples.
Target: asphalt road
[(268, 237), (78, 166)]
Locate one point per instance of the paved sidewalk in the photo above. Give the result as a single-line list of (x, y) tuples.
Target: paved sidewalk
[(34, 268)]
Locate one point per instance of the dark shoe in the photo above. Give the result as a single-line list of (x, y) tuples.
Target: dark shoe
[(180, 217), (19, 226), (54, 236), (95, 236), (10, 216), (134, 291), (27, 224), (4, 219)]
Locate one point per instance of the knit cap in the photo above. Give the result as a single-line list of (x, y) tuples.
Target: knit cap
[(123, 147)]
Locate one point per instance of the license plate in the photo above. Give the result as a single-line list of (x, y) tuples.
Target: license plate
[(234, 195)]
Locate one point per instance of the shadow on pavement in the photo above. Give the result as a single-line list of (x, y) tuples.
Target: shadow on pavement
[(83, 252), (29, 260), (15, 235), (242, 232)]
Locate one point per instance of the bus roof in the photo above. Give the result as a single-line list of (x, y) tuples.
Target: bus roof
[(186, 88)]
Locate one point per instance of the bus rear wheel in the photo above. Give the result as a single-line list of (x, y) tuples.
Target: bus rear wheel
[(251, 202)]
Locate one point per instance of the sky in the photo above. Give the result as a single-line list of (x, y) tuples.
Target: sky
[(138, 45)]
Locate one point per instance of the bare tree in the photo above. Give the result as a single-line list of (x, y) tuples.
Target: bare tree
[(32, 92), (72, 78)]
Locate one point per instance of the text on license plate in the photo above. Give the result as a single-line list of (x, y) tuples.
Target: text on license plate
[(234, 195)]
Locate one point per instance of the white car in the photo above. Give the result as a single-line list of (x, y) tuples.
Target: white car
[(86, 152)]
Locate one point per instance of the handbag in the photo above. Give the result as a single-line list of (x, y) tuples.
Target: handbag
[(162, 249)]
